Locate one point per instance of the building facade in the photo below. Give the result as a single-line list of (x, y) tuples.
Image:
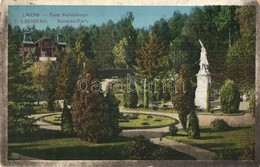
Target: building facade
[(43, 49)]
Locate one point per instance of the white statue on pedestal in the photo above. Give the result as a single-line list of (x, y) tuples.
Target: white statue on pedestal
[(203, 80)]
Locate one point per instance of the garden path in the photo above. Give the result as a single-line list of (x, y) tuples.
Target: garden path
[(198, 153)]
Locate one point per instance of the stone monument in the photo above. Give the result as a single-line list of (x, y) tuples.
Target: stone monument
[(203, 80)]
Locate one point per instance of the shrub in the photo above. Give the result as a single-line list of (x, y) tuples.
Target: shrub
[(183, 119), (149, 116), (141, 106), (252, 105), (145, 123), (173, 130), (131, 97), (158, 120), (66, 120), (229, 97), (143, 149), (219, 125), (193, 126), (155, 107)]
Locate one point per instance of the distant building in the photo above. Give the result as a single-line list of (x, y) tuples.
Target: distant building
[(44, 47)]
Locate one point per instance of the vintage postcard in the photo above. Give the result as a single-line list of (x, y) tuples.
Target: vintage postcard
[(128, 84)]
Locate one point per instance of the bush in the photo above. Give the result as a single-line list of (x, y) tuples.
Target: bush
[(183, 119), (149, 117), (252, 105), (143, 149), (155, 107), (141, 106), (193, 126), (219, 125), (173, 130), (145, 123), (229, 97), (66, 120), (131, 98), (158, 120)]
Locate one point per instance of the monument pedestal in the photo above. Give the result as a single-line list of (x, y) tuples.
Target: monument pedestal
[(203, 81)]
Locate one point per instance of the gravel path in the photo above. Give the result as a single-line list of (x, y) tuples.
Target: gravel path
[(198, 153)]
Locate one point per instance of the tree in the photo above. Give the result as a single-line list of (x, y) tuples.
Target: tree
[(162, 32), (184, 98), (131, 97), (39, 72), (193, 126), (209, 98), (229, 97), (240, 63), (66, 120), (21, 95), (94, 116), (66, 77), (83, 47), (127, 31), (103, 45), (148, 63), (50, 86), (119, 51)]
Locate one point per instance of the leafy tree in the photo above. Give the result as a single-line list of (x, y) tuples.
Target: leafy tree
[(83, 47), (193, 126), (66, 120), (162, 32), (131, 97), (128, 32), (229, 97), (39, 72), (148, 63), (209, 98), (66, 77), (240, 63), (184, 98), (94, 116), (50, 86), (252, 104), (103, 45), (119, 51)]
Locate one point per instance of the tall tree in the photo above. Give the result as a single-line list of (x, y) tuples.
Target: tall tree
[(119, 52), (240, 63), (185, 94), (94, 116), (148, 64), (21, 95), (162, 32)]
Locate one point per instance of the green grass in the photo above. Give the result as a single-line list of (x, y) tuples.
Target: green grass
[(52, 145), (41, 109), (120, 97), (55, 119), (219, 142), (137, 123), (133, 123)]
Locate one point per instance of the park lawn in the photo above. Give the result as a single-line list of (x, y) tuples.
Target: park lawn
[(153, 122), (230, 142), (54, 119), (52, 145), (133, 123)]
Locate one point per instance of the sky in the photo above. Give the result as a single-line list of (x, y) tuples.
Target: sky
[(54, 16)]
